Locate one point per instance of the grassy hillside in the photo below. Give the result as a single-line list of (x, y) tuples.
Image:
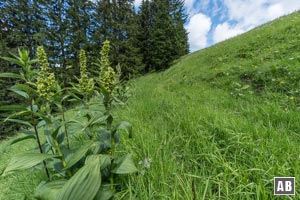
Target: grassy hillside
[(219, 124), (222, 121)]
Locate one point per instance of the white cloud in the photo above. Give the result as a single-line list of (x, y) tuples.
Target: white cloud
[(275, 11), (251, 13), (225, 31), (198, 28), (190, 7), (204, 4), (189, 4), (137, 3)]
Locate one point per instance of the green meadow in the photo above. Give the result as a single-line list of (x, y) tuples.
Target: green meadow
[(220, 123)]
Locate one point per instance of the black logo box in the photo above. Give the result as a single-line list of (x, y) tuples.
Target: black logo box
[(284, 185)]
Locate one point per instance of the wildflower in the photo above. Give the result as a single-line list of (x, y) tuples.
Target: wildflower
[(104, 59), (146, 163), (86, 84), (108, 80), (46, 80), (108, 77)]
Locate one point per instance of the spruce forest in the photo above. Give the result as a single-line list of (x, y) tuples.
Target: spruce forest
[(142, 40)]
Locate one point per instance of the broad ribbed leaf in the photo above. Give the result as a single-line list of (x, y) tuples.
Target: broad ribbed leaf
[(18, 121), (46, 119), (22, 139), (41, 123), (55, 132), (58, 105), (12, 108), (105, 161), (85, 183), (26, 161), (99, 120), (93, 121), (24, 87), (124, 126), (49, 191), (20, 92), (34, 108), (19, 114), (73, 121), (124, 165), (28, 132), (104, 193), (65, 97), (10, 75), (87, 125), (13, 60), (49, 139), (78, 155)]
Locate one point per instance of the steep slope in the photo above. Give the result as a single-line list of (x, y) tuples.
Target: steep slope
[(219, 124), (222, 122)]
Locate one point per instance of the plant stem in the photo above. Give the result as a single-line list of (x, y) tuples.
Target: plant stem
[(38, 138), (109, 120), (112, 160), (63, 161), (65, 125)]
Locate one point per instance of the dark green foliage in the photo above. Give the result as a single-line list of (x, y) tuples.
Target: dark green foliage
[(152, 40), (19, 27), (162, 36), (139, 43), (180, 35), (116, 21), (144, 31), (126, 44), (79, 24), (55, 36), (20, 24)]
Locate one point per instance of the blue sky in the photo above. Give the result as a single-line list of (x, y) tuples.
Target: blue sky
[(212, 21)]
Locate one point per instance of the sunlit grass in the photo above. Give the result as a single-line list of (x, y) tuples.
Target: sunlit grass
[(204, 141)]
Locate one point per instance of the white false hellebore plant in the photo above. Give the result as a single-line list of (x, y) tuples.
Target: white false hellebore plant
[(89, 171)]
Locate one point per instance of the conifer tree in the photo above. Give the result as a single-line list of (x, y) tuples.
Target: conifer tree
[(80, 20), (20, 23), (162, 36), (143, 33), (19, 27), (116, 22), (56, 35), (181, 46), (102, 28), (126, 43)]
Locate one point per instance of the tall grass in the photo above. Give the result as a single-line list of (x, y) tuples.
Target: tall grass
[(198, 135), (209, 142)]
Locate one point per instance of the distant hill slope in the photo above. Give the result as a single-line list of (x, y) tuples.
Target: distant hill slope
[(266, 58)]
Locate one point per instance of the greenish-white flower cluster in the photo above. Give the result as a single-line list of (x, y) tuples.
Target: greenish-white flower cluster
[(86, 84), (108, 77), (46, 81)]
